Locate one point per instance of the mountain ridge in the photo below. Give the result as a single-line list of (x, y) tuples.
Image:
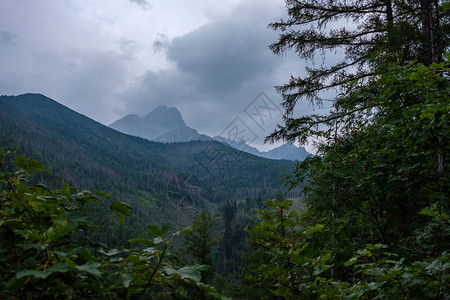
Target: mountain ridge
[(163, 124), (166, 124), (164, 183), (286, 151)]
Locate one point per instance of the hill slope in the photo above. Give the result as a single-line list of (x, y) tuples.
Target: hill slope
[(164, 183)]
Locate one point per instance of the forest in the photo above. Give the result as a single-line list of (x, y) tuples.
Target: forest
[(372, 220)]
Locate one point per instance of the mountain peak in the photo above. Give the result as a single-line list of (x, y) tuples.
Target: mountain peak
[(131, 117), (169, 117), (163, 124)]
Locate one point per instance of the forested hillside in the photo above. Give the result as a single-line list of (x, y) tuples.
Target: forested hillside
[(164, 183)]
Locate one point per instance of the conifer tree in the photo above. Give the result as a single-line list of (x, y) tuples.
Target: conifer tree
[(394, 30), (198, 243), (375, 185)]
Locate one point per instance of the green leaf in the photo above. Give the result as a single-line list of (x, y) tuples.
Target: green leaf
[(59, 228), (183, 231), (188, 272), (119, 280), (32, 165), (110, 252), (155, 231), (158, 240), (143, 241), (60, 267), (85, 197), (90, 267), (39, 247), (351, 261), (121, 209), (35, 273), (316, 228), (102, 193), (67, 191)]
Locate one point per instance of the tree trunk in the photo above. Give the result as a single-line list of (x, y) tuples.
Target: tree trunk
[(389, 14), (427, 32), (439, 43)]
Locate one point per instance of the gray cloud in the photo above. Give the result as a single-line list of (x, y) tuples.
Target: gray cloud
[(128, 47), (143, 3), (161, 43), (84, 81), (223, 56), (108, 69), (208, 59), (217, 71), (8, 37)]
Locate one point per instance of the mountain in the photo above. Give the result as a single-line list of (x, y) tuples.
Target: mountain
[(287, 151), (166, 125), (163, 124), (182, 134), (240, 145), (164, 183)]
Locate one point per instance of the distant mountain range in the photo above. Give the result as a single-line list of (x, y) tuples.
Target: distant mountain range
[(162, 124), (287, 151), (165, 124), (163, 182)]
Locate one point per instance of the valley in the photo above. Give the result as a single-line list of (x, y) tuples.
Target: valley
[(164, 183)]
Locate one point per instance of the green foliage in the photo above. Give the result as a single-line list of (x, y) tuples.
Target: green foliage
[(283, 264), (46, 253), (358, 32), (154, 268), (197, 247), (386, 275), (121, 209), (377, 190), (198, 243), (235, 217)]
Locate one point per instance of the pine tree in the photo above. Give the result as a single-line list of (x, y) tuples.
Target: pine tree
[(375, 184), (198, 244), (396, 30)]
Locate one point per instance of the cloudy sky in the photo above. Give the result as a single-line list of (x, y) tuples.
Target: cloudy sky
[(107, 59)]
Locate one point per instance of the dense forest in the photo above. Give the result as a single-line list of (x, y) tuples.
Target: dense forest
[(373, 218), (163, 183)]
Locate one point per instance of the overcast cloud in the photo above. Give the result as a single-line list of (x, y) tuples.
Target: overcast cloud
[(106, 60)]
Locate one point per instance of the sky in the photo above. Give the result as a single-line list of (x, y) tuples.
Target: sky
[(107, 59)]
